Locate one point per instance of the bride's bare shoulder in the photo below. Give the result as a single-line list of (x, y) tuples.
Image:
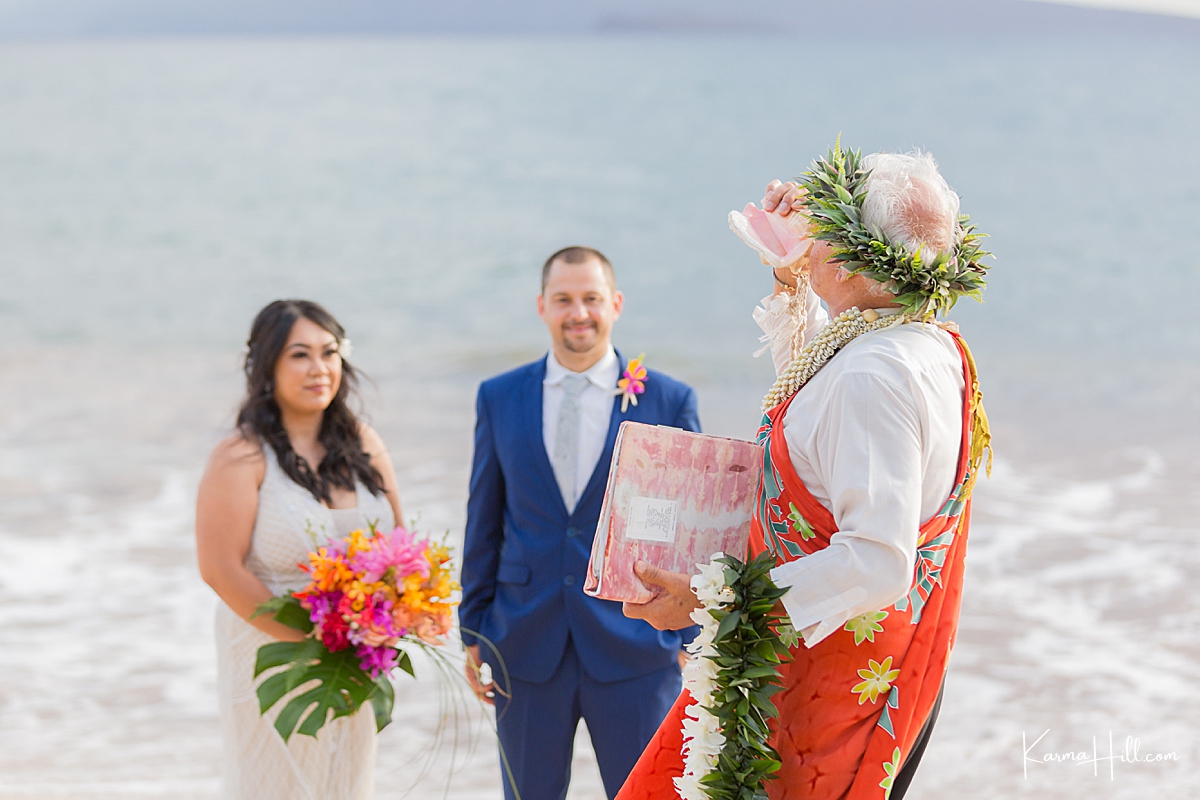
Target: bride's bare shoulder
[(238, 454), (371, 441)]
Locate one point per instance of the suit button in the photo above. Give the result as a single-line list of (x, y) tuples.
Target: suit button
[(569, 580), (572, 532)]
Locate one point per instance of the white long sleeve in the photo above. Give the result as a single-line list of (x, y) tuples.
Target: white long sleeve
[(875, 437)]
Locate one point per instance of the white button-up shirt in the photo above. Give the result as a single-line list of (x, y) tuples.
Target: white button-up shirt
[(595, 411), (875, 437)]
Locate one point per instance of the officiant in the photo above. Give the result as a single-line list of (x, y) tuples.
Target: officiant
[(543, 444), (873, 436)]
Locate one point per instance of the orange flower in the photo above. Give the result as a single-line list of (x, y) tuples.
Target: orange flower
[(633, 383), (357, 542), (357, 592), (329, 572)]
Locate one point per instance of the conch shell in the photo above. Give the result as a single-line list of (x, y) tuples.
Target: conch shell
[(781, 241)]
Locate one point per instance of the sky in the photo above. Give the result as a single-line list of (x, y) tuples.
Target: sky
[(41, 18), (1183, 8), (1186, 8)]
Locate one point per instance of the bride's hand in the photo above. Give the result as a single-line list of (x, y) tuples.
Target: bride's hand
[(784, 196)]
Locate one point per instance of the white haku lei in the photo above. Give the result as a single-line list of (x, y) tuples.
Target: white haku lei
[(702, 736), (837, 333)]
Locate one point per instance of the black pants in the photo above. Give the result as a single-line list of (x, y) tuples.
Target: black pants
[(904, 778)]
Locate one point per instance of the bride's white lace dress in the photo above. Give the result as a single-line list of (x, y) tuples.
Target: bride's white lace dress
[(340, 763)]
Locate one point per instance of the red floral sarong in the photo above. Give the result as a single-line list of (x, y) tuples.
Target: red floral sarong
[(853, 704)]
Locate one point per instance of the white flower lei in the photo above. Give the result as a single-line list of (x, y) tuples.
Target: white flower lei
[(702, 736), (837, 333)]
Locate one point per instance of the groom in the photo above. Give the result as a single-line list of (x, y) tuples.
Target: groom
[(543, 443)]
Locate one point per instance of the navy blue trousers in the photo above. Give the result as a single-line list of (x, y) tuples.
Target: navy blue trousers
[(537, 726)]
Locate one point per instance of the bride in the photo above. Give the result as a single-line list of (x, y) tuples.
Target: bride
[(300, 469)]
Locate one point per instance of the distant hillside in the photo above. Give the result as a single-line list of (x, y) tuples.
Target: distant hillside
[(36, 19)]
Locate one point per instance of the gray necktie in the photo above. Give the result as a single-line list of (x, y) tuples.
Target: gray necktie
[(566, 438)]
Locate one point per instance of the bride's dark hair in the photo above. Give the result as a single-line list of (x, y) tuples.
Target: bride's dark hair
[(259, 415)]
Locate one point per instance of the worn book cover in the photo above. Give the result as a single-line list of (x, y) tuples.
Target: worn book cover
[(673, 499)]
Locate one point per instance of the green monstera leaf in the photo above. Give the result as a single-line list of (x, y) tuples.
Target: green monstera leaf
[(287, 611), (342, 686)]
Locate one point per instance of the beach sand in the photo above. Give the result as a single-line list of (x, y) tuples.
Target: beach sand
[(1078, 616)]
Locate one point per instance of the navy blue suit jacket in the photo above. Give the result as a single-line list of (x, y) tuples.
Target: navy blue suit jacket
[(525, 557)]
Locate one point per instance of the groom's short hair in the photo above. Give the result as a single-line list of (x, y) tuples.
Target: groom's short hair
[(578, 254)]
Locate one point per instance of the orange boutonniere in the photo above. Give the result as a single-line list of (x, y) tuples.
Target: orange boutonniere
[(632, 383)]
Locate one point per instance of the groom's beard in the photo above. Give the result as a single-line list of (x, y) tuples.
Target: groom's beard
[(579, 346)]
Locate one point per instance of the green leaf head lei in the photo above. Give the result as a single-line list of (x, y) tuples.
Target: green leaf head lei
[(834, 191)]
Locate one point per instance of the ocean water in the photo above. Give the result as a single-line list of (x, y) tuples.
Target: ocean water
[(154, 195)]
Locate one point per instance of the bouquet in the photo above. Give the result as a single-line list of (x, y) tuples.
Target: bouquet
[(370, 596)]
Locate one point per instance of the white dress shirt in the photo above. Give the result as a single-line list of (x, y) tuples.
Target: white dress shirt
[(595, 411), (875, 437)]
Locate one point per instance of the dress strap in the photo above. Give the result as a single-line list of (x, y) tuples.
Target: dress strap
[(274, 475), (272, 461)]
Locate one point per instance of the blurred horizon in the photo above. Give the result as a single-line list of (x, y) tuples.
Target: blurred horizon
[(25, 20)]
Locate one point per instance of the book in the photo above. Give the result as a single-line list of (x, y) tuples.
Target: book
[(674, 498)]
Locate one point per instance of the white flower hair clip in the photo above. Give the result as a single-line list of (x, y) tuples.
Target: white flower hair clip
[(345, 348)]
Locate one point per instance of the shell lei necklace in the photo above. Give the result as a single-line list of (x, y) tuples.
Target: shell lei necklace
[(841, 330)]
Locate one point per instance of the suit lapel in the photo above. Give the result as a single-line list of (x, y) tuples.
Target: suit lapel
[(541, 467), (600, 474)]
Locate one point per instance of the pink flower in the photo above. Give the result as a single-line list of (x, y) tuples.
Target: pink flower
[(376, 661), (633, 383), (403, 618), (425, 625), (374, 639), (398, 550), (320, 605), (430, 627), (335, 633)]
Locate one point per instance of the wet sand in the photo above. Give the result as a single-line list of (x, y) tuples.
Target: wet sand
[(1078, 615)]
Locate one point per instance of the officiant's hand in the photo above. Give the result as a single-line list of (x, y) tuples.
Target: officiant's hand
[(784, 196), (484, 691), (671, 609)]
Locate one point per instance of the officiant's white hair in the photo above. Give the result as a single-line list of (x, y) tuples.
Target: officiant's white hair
[(910, 202)]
